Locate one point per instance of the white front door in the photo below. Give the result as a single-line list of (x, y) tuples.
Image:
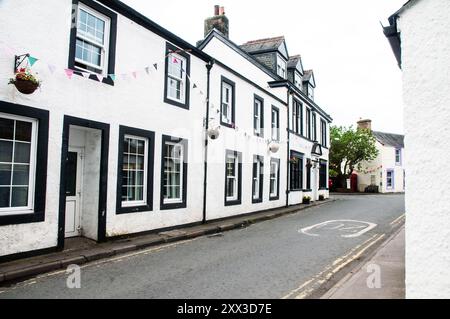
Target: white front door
[(74, 167)]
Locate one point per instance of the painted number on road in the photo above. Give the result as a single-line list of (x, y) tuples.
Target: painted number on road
[(345, 227)]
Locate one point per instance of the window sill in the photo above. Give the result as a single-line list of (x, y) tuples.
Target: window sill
[(323, 188), (274, 198), (231, 125), (307, 190), (232, 202), (133, 209), (256, 201), (168, 206), (22, 218), (175, 103)]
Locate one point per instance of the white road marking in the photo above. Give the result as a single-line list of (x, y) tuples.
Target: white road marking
[(341, 226), (397, 220)]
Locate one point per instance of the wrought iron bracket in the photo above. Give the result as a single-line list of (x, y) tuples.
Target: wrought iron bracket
[(18, 60)]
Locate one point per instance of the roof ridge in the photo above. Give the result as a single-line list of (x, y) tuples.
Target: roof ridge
[(264, 40), (388, 133)]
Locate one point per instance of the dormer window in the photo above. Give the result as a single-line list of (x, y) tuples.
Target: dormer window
[(281, 66), (310, 92), (298, 80)]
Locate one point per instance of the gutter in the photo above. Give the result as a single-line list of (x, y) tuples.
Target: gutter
[(288, 148), (205, 163)]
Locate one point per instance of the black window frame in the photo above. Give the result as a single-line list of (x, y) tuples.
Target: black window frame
[(323, 168), (233, 101), (297, 120), (259, 159), (308, 123), (238, 201), (112, 39), (150, 136), (275, 110), (275, 160), (314, 126), (183, 203), (40, 183), (296, 171), (170, 48), (323, 127), (261, 113)]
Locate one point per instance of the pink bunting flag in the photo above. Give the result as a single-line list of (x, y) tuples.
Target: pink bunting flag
[(134, 74), (51, 68), (175, 60), (69, 73), (124, 76)]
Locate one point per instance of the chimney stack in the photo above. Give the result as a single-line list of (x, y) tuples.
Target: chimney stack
[(219, 22), (365, 124)]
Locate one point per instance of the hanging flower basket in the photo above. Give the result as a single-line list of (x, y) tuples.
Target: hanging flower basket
[(25, 82)]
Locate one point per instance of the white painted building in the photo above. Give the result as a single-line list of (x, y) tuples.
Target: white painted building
[(136, 130), (385, 171), (419, 34)]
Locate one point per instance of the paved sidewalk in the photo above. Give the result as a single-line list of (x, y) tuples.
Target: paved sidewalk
[(389, 259), (80, 251)]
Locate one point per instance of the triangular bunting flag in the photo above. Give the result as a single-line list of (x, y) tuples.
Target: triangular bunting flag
[(32, 60), (201, 92), (86, 74), (51, 68), (99, 77), (194, 86), (124, 76), (147, 69), (69, 73), (175, 60), (112, 76), (134, 74), (155, 66)]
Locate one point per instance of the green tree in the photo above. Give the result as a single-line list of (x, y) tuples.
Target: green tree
[(349, 148)]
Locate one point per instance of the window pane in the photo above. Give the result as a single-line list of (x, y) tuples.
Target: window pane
[(21, 175), (140, 162), (139, 193), (19, 197), (230, 187), (5, 174), (6, 151), (4, 197), (23, 131), (6, 129), (22, 153)]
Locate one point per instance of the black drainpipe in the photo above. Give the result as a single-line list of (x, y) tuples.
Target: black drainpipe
[(205, 163), (288, 147)]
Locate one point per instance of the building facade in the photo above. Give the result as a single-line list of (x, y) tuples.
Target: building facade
[(419, 34), (134, 130), (386, 171)]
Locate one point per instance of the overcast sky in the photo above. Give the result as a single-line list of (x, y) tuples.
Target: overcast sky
[(342, 41)]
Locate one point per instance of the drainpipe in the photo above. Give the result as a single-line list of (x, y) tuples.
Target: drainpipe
[(288, 147), (206, 125)]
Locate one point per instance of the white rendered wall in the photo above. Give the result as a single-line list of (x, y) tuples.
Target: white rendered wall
[(425, 35)]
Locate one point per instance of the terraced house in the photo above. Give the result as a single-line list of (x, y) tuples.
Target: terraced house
[(134, 129)]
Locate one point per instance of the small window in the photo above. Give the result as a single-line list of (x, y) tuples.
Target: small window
[(389, 179), (296, 171), (310, 92), (298, 80), (323, 133), (18, 139), (297, 114), (233, 167), (257, 179), (258, 116), (174, 173), (275, 124), (308, 123), (135, 170), (177, 87), (398, 156), (281, 66), (274, 179), (314, 127), (227, 103)]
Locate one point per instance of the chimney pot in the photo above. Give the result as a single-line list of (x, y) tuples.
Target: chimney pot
[(219, 22), (222, 11), (216, 10), (365, 124)]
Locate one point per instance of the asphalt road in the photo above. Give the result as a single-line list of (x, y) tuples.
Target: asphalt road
[(272, 259)]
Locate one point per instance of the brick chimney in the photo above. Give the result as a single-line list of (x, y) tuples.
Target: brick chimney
[(365, 124), (219, 21)]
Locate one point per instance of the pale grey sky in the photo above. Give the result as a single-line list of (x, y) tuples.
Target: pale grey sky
[(342, 41)]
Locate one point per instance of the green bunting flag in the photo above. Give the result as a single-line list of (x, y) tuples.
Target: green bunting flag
[(32, 60)]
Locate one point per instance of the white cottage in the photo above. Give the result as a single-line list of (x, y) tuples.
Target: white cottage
[(387, 170), (419, 34), (135, 130)]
